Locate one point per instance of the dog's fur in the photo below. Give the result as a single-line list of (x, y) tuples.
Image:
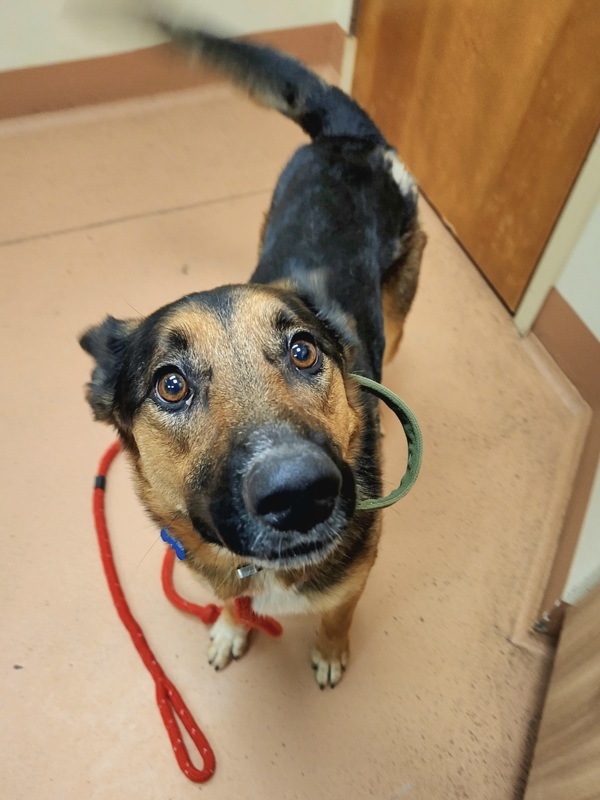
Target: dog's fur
[(229, 466)]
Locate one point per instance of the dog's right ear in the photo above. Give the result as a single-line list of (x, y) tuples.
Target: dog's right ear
[(107, 344)]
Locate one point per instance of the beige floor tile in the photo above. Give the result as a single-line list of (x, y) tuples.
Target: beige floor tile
[(98, 164)]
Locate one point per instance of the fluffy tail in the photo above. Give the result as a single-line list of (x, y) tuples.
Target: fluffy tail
[(280, 82)]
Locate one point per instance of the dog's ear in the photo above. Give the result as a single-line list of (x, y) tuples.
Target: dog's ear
[(313, 291), (107, 344)]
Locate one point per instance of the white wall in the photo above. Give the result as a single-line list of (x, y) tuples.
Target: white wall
[(579, 282), (585, 569), (35, 32), (579, 285)]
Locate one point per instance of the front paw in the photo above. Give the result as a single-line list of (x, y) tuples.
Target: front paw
[(227, 641), (329, 669)]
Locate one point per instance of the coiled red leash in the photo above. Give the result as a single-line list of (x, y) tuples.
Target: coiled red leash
[(242, 606), (168, 698), (170, 702)]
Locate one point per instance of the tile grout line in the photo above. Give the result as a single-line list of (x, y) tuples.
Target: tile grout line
[(131, 217)]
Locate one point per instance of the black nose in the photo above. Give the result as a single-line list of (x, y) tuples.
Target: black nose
[(293, 489)]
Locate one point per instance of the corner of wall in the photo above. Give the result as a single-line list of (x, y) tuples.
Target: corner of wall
[(578, 210)]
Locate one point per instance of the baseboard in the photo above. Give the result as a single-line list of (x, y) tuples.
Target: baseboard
[(577, 352), (151, 70)]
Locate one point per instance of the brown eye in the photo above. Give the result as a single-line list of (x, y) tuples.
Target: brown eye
[(172, 387), (304, 353)]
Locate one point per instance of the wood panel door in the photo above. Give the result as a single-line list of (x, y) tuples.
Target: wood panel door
[(566, 762), (493, 105)]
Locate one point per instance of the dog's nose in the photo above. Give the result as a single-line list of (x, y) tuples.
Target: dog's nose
[(293, 489)]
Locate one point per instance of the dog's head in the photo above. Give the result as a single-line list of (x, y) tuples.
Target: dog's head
[(237, 407)]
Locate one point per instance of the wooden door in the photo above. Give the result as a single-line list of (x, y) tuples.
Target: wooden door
[(566, 762), (493, 105)]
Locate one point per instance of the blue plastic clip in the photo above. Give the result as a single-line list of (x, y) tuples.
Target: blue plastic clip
[(174, 543)]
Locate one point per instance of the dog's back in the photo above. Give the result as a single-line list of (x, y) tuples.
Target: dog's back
[(343, 219)]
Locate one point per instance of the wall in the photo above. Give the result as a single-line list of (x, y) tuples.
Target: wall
[(37, 32), (580, 205), (585, 569), (579, 285)]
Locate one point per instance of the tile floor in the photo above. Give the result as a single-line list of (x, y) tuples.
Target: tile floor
[(120, 209)]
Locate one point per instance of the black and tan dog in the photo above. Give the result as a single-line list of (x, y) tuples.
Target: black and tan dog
[(249, 439)]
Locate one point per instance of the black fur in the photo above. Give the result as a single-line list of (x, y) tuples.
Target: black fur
[(336, 212), (337, 215), (106, 343), (278, 80)]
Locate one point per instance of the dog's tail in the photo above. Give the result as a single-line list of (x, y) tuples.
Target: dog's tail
[(280, 82)]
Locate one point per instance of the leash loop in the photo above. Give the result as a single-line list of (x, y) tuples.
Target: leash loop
[(169, 701), (208, 613), (242, 606)]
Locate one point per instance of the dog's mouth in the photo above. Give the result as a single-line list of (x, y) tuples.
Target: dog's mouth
[(286, 502), (271, 548), (267, 548)]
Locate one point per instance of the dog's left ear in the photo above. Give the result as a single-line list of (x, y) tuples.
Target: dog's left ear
[(107, 344), (313, 291)]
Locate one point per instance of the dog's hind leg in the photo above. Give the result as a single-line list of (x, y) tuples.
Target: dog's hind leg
[(399, 287)]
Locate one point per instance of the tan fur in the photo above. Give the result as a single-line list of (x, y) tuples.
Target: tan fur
[(399, 289), (261, 234), (332, 647), (245, 389)]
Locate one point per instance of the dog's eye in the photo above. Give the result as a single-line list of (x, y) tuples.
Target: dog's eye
[(172, 387), (304, 353)]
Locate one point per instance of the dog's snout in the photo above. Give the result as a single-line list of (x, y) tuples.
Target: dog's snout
[(293, 489)]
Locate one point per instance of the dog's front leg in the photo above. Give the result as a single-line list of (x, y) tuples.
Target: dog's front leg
[(228, 639), (332, 648)]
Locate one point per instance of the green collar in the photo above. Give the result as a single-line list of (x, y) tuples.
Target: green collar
[(414, 438)]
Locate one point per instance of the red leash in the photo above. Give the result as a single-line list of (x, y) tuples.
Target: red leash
[(170, 703), (242, 606), (168, 698), (208, 614)]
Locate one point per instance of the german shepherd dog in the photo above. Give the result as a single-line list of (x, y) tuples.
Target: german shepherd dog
[(249, 439)]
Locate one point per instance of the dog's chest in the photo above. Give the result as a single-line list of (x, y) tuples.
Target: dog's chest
[(273, 598)]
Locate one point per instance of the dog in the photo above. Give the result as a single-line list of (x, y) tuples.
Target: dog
[(248, 437)]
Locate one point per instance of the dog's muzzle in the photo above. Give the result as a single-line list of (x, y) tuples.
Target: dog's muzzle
[(284, 498), (292, 487)]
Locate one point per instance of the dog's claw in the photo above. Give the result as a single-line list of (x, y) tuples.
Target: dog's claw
[(228, 642), (329, 671)]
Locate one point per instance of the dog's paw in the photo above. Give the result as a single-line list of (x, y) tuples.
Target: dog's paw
[(227, 641), (329, 669)]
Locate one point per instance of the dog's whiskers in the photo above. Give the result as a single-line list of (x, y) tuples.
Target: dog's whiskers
[(133, 308), (154, 543), (177, 515)]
